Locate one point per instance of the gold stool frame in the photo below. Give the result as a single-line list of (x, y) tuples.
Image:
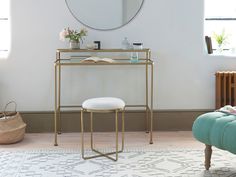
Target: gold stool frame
[(116, 111)]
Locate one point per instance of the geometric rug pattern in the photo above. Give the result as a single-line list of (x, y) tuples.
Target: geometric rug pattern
[(131, 163)]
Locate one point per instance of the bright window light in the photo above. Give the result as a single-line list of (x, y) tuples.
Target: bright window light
[(220, 16), (220, 8), (4, 28)]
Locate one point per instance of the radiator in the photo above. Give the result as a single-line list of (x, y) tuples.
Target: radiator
[(225, 88)]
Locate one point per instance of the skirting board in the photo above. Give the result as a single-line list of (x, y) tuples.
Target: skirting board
[(164, 120)]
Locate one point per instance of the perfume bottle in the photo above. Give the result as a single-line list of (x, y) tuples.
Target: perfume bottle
[(125, 43)]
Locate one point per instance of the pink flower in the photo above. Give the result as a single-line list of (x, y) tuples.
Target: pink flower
[(72, 35), (63, 34)]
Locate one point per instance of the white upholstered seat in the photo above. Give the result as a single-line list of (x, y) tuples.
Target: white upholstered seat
[(103, 103)]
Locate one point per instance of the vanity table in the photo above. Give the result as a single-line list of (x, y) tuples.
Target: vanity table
[(63, 59)]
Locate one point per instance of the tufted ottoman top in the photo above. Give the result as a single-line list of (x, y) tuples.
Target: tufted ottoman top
[(103, 103), (217, 129)]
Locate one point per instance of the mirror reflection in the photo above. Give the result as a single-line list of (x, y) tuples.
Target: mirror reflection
[(104, 14)]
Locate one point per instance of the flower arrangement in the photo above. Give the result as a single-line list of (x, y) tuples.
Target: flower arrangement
[(73, 35)]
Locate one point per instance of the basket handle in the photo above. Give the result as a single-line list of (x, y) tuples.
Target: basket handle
[(5, 108)]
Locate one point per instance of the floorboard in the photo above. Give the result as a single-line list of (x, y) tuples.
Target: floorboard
[(162, 140)]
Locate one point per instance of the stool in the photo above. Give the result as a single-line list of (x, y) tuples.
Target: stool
[(103, 105), (215, 129)]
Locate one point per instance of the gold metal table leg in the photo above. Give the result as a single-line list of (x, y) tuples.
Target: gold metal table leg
[(59, 98), (55, 109), (151, 118), (147, 116)]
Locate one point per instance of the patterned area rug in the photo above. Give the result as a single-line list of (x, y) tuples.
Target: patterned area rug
[(131, 163)]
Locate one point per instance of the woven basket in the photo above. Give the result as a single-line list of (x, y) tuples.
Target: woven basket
[(12, 127)]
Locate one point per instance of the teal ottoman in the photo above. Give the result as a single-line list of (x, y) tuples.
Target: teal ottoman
[(215, 129)]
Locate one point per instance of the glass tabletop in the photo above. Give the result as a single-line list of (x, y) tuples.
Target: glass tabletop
[(105, 61)]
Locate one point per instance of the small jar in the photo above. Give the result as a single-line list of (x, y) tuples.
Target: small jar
[(134, 55), (138, 46)]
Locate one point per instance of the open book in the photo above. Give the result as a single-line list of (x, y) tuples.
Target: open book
[(97, 60)]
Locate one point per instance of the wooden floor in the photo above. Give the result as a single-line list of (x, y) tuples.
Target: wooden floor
[(162, 140)]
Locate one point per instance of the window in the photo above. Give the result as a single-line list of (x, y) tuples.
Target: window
[(220, 17), (4, 28)]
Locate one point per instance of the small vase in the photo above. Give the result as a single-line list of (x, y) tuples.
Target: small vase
[(220, 48), (74, 45)]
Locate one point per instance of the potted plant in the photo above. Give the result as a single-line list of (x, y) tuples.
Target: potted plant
[(221, 39), (74, 36)]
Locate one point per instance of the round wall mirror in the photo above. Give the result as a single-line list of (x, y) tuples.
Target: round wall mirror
[(104, 14)]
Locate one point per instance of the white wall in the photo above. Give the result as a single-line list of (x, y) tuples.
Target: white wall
[(184, 74)]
